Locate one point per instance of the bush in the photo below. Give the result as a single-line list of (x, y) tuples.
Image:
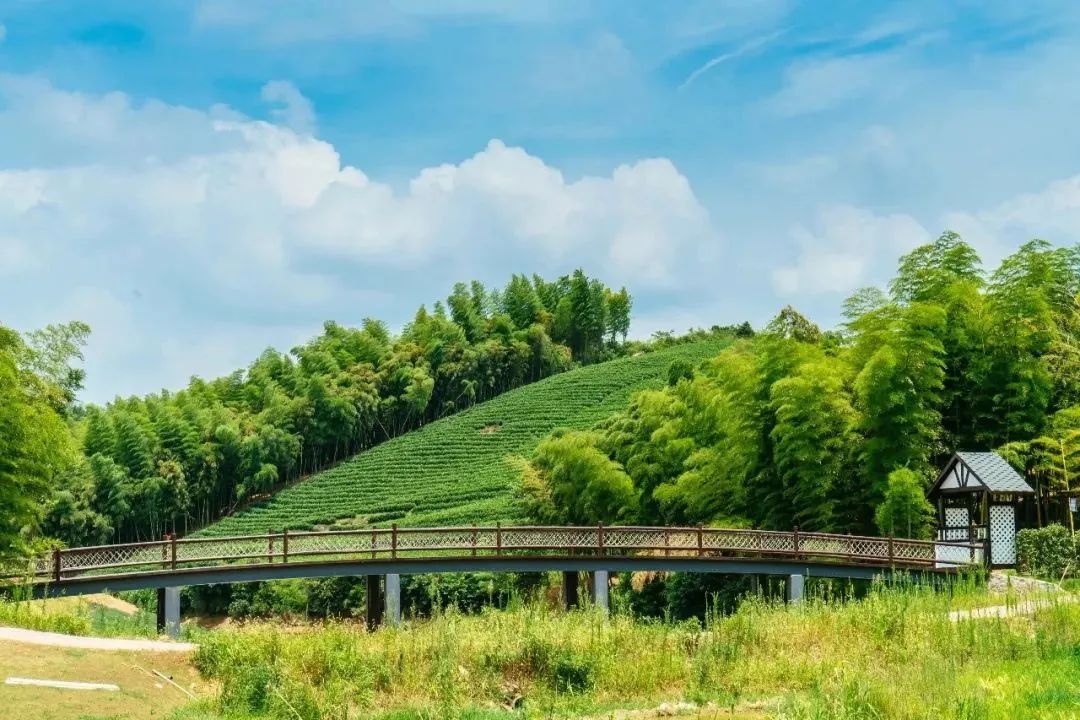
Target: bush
[(1049, 552)]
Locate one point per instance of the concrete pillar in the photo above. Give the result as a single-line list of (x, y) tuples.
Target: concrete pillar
[(172, 612), (795, 588), (570, 588), (600, 589), (374, 601), (393, 599)]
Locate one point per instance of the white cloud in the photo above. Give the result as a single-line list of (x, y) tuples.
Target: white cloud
[(1052, 214), (819, 84), (296, 113), (181, 215), (845, 250)]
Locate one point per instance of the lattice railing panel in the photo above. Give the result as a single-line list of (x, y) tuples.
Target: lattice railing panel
[(683, 539), (633, 538), (254, 548), (555, 538), (457, 538), (923, 552), (777, 542), (359, 543), (96, 557)]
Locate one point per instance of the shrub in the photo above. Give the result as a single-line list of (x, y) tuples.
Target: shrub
[(1049, 552)]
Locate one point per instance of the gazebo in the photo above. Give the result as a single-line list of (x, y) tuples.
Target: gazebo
[(981, 498)]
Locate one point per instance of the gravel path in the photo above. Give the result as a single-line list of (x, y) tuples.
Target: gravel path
[(35, 637)]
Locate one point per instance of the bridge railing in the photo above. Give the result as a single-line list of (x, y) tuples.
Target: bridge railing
[(476, 541)]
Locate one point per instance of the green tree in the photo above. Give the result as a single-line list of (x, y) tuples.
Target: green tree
[(34, 447), (575, 482), (521, 303), (790, 324), (619, 305), (814, 439), (905, 512), (898, 395), (49, 354)]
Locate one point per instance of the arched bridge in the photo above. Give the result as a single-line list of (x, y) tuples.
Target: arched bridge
[(393, 551)]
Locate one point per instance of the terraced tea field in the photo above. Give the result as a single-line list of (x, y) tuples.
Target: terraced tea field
[(457, 470)]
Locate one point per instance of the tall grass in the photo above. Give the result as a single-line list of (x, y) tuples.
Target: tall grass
[(892, 654), (72, 616)]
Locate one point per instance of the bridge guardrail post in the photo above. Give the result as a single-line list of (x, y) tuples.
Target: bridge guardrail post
[(172, 551), (285, 545), (600, 538), (700, 540), (270, 547), (667, 540), (892, 555), (795, 540), (56, 564), (474, 540), (165, 551), (498, 538), (393, 540)]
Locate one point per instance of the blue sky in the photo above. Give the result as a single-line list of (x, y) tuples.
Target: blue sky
[(200, 180)]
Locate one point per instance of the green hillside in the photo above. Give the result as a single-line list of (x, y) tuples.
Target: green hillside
[(456, 470)]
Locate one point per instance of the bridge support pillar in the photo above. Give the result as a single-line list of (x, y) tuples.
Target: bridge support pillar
[(374, 601), (168, 611), (393, 599), (600, 589), (795, 586), (571, 599)]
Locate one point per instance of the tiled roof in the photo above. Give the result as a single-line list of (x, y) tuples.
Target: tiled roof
[(994, 472)]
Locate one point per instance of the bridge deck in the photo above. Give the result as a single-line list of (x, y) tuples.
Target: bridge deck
[(201, 560)]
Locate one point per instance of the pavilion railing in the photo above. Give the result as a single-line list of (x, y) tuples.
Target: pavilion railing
[(393, 543)]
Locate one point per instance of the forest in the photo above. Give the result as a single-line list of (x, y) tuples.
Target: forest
[(841, 430), (171, 462)]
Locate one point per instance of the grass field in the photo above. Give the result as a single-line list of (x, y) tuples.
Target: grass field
[(459, 470), (895, 654), (142, 695)]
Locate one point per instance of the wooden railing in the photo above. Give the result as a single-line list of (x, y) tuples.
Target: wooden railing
[(393, 543)]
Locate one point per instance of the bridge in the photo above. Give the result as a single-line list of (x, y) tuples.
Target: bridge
[(379, 553)]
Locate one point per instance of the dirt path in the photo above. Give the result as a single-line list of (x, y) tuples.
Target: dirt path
[(34, 637)]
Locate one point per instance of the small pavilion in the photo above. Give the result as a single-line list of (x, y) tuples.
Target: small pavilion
[(981, 498)]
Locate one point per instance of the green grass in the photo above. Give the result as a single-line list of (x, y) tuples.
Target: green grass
[(76, 616), (459, 470), (892, 655)]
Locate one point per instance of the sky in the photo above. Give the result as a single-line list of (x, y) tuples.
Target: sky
[(201, 180)]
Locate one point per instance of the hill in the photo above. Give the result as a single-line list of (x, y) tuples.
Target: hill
[(458, 470)]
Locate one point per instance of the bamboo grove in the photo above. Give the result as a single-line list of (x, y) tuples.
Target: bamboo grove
[(173, 461), (841, 430)]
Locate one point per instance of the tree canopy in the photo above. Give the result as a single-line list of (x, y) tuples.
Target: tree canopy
[(173, 461), (842, 430)]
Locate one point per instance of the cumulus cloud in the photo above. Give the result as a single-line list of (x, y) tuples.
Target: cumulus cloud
[(186, 214), (845, 248)]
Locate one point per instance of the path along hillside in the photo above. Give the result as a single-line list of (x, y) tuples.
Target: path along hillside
[(459, 470)]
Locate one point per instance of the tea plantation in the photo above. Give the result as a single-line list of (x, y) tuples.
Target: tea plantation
[(458, 470)]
